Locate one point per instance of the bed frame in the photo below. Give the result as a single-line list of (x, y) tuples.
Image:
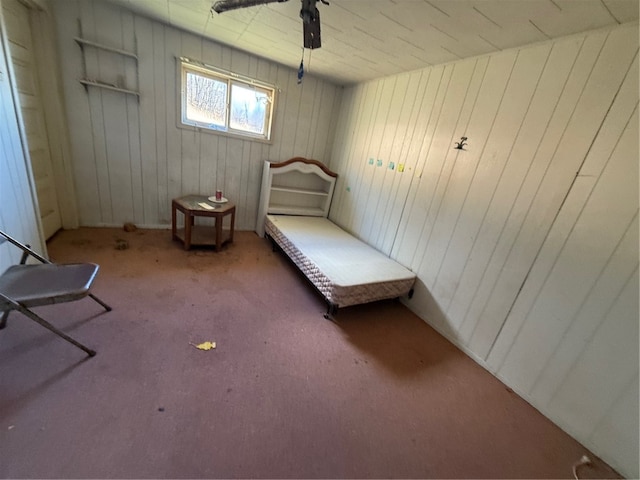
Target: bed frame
[(293, 213)]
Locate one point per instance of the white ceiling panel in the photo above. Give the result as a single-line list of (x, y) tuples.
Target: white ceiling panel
[(623, 10), (506, 13), (367, 39), (574, 17)]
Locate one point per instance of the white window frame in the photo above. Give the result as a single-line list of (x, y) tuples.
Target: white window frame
[(187, 65)]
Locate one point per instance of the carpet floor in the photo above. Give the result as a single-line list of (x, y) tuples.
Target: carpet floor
[(376, 393)]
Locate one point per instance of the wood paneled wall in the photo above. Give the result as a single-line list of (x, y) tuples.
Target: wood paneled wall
[(525, 243), (18, 215), (130, 158)]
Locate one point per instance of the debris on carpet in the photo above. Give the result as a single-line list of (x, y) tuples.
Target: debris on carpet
[(204, 346)]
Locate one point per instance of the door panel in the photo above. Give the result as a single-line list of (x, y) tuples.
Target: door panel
[(21, 48)]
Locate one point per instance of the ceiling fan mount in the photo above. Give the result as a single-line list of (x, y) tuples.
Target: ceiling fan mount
[(308, 12)]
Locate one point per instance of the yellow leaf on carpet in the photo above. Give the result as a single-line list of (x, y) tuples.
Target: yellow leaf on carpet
[(204, 346)]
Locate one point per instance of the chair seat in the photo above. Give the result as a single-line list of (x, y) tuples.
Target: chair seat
[(34, 285)]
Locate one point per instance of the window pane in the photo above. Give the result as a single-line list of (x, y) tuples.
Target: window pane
[(248, 109), (206, 100), (224, 102)]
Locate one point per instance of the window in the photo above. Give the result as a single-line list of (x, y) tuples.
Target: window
[(225, 102)]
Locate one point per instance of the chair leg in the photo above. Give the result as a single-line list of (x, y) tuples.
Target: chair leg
[(106, 307), (3, 320), (60, 333)]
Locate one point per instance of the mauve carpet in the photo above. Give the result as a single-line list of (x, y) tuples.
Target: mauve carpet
[(286, 393)]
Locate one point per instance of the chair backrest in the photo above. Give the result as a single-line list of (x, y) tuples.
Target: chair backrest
[(3, 237), (26, 249)]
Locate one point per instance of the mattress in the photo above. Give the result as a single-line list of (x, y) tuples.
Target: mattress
[(344, 269)]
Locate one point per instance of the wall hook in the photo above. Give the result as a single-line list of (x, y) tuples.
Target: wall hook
[(461, 143)]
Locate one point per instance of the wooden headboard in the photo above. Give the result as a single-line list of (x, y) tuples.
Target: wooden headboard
[(298, 186)]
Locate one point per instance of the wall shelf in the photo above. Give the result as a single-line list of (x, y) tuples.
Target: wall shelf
[(107, 86), (119, 75), (281, 209), (82, 42), (302, 191)]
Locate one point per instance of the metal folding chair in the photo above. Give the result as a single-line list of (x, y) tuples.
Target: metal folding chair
[(23, 287)]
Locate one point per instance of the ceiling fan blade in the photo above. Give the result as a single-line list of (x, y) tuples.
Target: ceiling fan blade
[(311, 31), (225, 5)]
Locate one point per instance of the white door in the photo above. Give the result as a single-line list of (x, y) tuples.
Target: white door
[(18, 28)]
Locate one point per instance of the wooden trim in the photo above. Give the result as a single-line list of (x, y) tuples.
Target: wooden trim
[(308, 161)]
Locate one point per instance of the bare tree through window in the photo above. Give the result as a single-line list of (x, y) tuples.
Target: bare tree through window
[(207, 96)]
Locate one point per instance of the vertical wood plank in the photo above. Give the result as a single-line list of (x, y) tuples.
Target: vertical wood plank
[(440, 158), (603, 82), (160, 66), (552, 137), (254, 177), (619, 120), (588, 318), (301, 140), (233, 171), (293, 98), (403, 129), (321, 94), (426, 111), (520, 208), (362, 155), (341, 154), (148, 139), (521, 161), (347, 170), (443, 158), (383, 176), (613, 353), (615, 436), (173, 141), (130, 44), (79, 117), (92, 58), (191, 47), (469, 196), (570, 279), (280, 76), (372, 178), (416, 213), (113, 111)]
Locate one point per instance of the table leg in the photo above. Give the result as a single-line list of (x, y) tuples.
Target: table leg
[(219, 222), (233, 223), (188, 222), (173, 221)]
